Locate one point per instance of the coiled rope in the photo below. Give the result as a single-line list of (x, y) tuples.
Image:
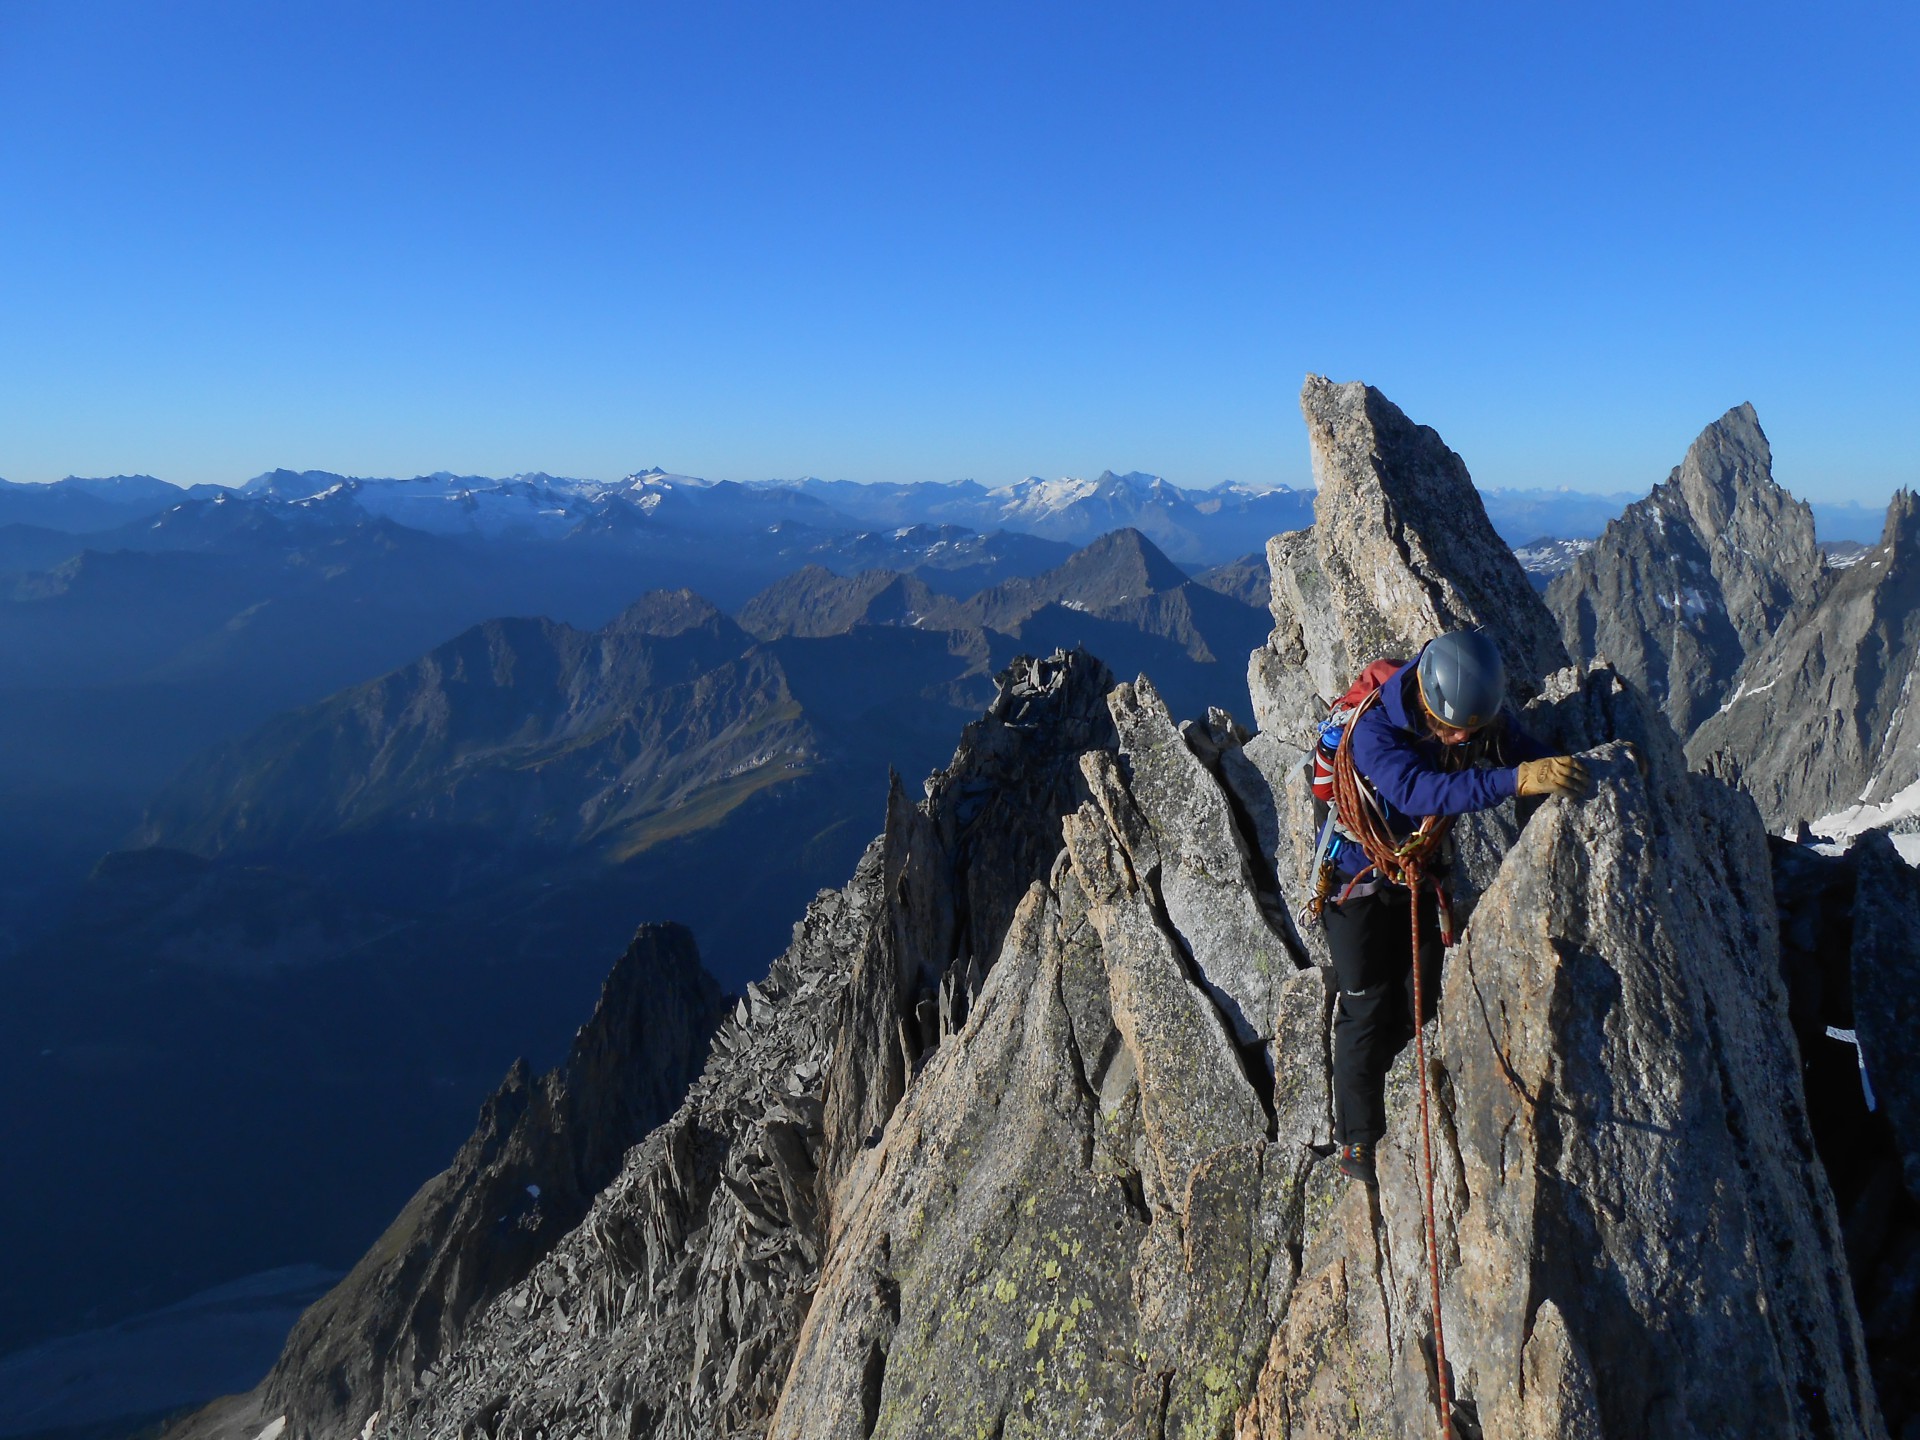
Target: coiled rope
[(1360, 814)]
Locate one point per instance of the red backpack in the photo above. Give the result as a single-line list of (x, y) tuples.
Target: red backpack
[(1331, 729)]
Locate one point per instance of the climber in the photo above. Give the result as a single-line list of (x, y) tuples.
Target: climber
[(1436, 741)]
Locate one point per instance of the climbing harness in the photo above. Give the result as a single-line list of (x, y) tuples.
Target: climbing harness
[(1361, 815)]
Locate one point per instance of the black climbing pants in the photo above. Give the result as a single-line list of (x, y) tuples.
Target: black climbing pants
[(1372, 944)]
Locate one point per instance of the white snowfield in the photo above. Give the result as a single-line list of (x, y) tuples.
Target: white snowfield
[(1839, 828), (1741, 692)]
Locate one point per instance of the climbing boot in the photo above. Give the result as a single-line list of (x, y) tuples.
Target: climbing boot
[(1356, 1163)]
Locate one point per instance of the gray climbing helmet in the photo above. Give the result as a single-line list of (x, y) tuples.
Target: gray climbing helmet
[(1463, 682)]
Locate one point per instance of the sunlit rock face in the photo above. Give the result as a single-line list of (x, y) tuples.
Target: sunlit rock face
[(1400, 549), (1698, 576), (1634, 1236)]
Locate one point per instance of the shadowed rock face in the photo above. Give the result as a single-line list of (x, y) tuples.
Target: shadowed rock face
[(1693, 579), (542, 1150), (527, 730), (1027, 1132), (1852, 965), (1821, 720)]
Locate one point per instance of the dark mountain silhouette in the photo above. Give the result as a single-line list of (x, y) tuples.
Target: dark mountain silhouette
[(1248, 579), (1117, 567), (79, 505), (522, 728), (1120, 583)]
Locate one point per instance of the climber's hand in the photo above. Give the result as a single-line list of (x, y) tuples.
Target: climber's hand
[(1556, 775)]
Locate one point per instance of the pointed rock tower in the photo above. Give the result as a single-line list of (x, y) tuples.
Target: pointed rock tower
[(1399, 550), (541, 1152), (1690, 581)]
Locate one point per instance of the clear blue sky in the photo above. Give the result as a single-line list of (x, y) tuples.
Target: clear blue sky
[(913, 241)]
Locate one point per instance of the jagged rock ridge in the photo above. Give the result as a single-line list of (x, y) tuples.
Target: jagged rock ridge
[(1693, 579), (1083, 1212), (1006, 1147), (674, 1307)]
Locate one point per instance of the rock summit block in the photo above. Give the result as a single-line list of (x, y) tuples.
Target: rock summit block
[(1400, 550)]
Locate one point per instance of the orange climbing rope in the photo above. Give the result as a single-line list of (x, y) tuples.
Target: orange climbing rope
[(1360, 815), (1426, 1163)]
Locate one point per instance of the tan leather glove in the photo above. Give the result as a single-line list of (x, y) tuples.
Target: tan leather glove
[(1557, 774)]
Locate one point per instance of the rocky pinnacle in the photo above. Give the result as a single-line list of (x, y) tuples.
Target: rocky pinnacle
[(1690, 581), (1399, 550), (1820, 724)]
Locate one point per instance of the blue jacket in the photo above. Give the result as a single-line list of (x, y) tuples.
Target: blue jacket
[(1395, 752)]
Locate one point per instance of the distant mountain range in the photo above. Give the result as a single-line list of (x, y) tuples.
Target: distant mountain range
[(1193, 526), (650, 507), (80, 504), (127, 650)]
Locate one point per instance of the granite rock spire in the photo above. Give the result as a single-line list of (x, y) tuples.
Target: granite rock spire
[(1698, 576)]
